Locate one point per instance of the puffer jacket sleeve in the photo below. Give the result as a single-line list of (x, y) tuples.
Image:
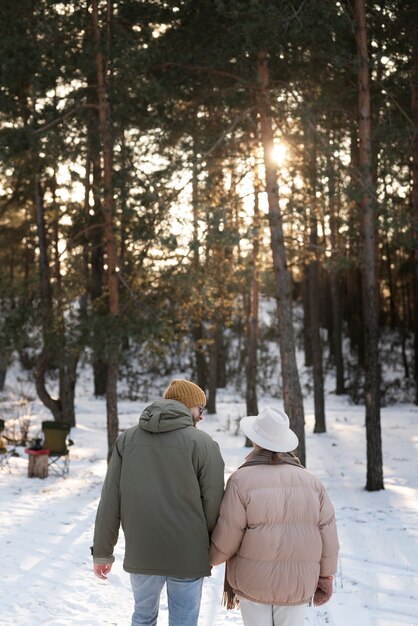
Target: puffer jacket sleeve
[(328, 530), (211, 482), (106, 529), (230, 527)]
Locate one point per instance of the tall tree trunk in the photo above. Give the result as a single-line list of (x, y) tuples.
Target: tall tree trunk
[(374, 480), (197, 326), (5, 354), (99, 362), (67, 380), (44, 269), (354, 302), (334, 280), (354, 310), (393, 315), (252, 315), (43, 360), (307, 342), (199, 354), (55, 351), (404, 330), (325, 311), (414, 193), (84, 300), (292, 392), (95, 238), (314, 283), (317, 367), (222, 356), (213, 366), (3, 371), (109, 232), (337, 333), (40, 370), (69, 353)]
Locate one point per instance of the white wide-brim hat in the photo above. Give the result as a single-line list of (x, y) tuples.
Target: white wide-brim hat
[(270, 430)]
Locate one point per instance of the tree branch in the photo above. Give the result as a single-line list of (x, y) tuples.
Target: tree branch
[(62, 117)]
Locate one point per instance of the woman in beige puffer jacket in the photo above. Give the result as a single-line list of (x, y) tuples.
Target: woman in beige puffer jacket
[(276, 529)]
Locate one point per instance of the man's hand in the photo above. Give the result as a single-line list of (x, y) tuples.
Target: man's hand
[(101, 570)]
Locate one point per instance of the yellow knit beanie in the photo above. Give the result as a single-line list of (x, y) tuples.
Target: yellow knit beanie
[(186, 392)]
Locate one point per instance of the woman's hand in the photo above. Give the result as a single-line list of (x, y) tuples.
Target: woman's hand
[(323, 590)]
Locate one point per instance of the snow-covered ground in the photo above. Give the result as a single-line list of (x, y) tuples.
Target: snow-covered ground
[(46, 526)]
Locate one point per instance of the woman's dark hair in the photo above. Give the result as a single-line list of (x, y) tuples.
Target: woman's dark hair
[(275, 457)]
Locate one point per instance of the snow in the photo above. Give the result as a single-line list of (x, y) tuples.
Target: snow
[(46, 526)]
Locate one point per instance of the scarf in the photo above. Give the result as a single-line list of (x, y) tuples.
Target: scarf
[(256, 457)]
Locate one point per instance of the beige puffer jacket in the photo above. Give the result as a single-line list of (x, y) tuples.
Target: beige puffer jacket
[(277, 530)]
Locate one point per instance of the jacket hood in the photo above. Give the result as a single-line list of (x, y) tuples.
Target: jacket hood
[(165, 415)]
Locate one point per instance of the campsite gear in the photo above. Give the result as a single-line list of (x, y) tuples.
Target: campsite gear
[(38, 463), (55, 441)]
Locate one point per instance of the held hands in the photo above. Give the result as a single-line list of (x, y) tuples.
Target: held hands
[(101, 570), (324, 590)]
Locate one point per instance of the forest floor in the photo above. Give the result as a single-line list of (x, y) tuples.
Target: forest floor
[(46, 526)]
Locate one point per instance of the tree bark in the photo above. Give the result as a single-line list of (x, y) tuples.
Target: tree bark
[(43, 360), (213, 366), (44, 269), (109, 235), (354, 301), (68, 357), (307, 343), (252, 315), (414, 191), (199, 354), (292, 392), (84, 300), (197, 327), (221, 375), (4, 363), (393, 296), (374, 480), (67, 381), (317, 368), (97, 277), (39, 374), (334, 280), (313, 282), (54, 352)]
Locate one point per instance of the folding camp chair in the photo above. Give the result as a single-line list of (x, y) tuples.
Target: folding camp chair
[(5, 453), (55, 440)]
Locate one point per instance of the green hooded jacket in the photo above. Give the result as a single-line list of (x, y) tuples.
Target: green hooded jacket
[(164, 485)]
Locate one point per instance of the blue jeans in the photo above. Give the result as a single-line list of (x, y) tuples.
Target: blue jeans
[(184, 595)]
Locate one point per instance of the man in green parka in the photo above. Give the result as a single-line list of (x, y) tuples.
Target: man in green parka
[(164, 485)]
